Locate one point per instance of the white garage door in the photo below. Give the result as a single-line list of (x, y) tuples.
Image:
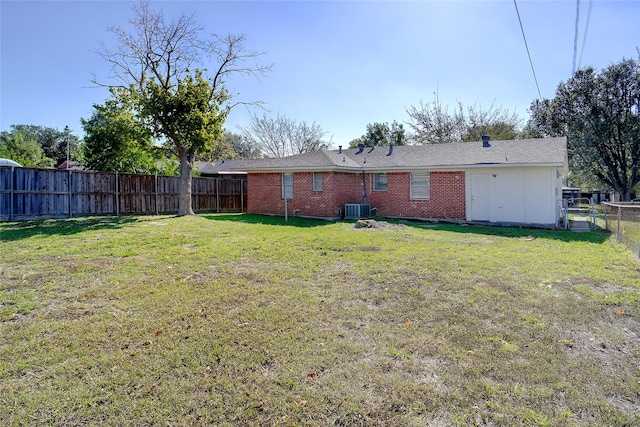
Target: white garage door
[(519, 195)]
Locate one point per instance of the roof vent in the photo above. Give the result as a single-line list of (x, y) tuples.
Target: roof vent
[(360, 148), (339, 149), (485, 141), (390, 149)]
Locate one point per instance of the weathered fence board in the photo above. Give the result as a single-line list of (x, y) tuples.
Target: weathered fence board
[(32, 193)]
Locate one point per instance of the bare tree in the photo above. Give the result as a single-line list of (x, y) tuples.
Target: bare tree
[(433, 124), (169, 51), (156, 66), (282, 136)]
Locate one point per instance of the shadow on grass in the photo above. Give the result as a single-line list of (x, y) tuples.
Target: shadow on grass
[(292, 221), (60, 227), (597, 237)]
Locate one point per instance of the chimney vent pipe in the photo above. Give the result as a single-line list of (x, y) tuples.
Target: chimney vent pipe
[(485, 141)]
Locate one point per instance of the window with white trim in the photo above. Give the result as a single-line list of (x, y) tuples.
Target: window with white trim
[(317, 181), (420, 186), (287, 185), (380, 181)]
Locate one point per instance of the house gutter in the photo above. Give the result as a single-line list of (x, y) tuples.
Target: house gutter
[(459, 167), (403, 168)]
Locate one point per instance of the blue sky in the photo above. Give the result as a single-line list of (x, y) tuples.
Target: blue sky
[(342, 64)]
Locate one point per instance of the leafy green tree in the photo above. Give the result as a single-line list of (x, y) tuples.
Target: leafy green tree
[(541, 123), (381, 134), (190, 116), (599, 112), (242, 146), (496, 122), (53, 142), (23, 147), (233, 146), (116, 141), (432, 123), (157, 65)]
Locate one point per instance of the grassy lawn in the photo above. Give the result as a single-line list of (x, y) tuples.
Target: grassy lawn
[(239, 320)]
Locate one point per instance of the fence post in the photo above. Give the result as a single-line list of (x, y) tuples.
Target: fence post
[(70, 194), (12, 192), (117, 197), (217, 195), (242, 195), (619, 218), (156, 190)]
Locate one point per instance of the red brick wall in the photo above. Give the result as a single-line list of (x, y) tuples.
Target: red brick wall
[(447, 195), (265, 194)]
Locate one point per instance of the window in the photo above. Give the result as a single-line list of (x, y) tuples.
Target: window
[(287, 185), (420, 186), (317, 181), (380, 181)]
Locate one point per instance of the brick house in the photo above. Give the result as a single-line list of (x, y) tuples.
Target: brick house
[(515, 182)]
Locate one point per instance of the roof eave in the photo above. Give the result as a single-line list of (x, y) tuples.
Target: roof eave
[(400, 168)]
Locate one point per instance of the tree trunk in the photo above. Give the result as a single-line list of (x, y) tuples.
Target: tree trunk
[(184, 203)]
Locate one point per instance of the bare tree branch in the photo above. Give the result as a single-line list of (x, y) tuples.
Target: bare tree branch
[(282, 136)]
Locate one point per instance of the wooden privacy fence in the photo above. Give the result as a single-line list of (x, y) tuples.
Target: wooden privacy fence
[(32, 193)]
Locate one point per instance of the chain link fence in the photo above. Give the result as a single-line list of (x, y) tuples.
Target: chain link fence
[(578, 207), (623, 220)]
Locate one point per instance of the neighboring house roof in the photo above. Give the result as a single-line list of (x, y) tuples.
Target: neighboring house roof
[(224, 167), (524, 152), (73, 165)]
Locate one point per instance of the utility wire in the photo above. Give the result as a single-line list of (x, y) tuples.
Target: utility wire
[(575, 38), (527, 47), (584, 37)]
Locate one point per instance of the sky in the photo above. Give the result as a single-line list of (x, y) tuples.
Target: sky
[(340, 64)]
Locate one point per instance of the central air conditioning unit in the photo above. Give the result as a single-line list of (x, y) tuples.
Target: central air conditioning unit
[(357, 211)]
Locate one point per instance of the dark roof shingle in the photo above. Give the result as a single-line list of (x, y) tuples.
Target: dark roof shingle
[(525, 152)]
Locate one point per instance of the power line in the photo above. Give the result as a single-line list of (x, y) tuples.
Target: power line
[(575, 38), (586, 29), (528, 53)]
